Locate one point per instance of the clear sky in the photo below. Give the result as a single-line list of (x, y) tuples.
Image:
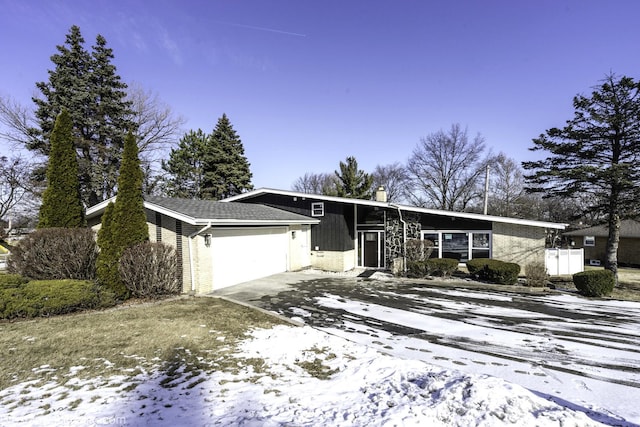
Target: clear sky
[(308, 83)]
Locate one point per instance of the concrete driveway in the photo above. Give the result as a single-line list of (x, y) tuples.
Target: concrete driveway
[(564, 347)]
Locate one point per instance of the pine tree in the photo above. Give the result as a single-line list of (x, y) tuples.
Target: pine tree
[(227, 170), (128, 223), (87, 85), (61, 205), (353, 183), (185, 167), (208, 166)]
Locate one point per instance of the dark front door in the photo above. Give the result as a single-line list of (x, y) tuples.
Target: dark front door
[(371, 249)]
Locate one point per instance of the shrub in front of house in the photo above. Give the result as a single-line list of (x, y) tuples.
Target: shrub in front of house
[(55, 253), (418, 250), (536, 273), (417, 269), (503, 273), (476, 266), (594, 283), (150, 270), (444, 267), (494, 271), (11, 280), (42, 298)]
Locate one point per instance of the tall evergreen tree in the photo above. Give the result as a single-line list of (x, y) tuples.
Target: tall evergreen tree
[(61, 204), (88, 86), (185, 166), (107, 262), (208, 166), (227, 170), (128, 222), (353, 182), (596, 153)]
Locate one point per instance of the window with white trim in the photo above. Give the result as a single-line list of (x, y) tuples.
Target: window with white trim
[(589, 240), (317, 209)]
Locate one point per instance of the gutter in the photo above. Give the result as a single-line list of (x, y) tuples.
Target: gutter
[(404, 237), (191, 270)]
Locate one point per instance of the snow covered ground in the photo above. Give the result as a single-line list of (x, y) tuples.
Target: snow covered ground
[(381, 356), (364, 388)]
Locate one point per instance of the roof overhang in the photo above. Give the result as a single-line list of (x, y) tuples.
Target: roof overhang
[(98, 209), (406, 208)]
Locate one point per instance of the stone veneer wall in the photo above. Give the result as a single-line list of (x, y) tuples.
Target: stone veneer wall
[(394, 234)]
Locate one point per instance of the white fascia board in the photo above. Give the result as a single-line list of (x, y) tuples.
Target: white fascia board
[(243, 222), (481, 217), (260, 191), (99, 208)]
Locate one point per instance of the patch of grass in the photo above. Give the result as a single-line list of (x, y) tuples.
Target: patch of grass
[(166, 334)]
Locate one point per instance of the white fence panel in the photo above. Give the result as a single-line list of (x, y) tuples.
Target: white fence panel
[(564, 261)]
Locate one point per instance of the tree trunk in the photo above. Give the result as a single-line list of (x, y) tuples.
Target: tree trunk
[(611, 263)]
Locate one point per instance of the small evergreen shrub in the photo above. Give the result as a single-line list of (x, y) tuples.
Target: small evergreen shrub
[(536, 273), (55, 253), (47, 298), (594, 283), (476, 266), (12, 280), (150, 270), (493, 270), (444, 267), (417, 269), (503, 273)]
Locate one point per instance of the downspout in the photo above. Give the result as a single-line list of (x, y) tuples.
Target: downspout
[(191, 270), (404, 237)]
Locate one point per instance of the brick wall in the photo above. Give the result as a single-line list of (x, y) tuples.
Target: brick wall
[(521, 244)]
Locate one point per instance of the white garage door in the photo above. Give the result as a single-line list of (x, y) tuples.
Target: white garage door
[(244, 254)]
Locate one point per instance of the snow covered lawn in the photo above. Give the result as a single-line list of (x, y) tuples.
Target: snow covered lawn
[(372, 359)]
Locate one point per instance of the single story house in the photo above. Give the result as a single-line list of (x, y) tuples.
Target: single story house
[(594, 242), (223, 244), (372, 233)]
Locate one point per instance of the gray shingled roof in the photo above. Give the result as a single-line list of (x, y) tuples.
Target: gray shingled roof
[(208, 210), (628, 228)]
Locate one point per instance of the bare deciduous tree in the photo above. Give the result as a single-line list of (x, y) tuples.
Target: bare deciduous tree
[(315, 183), (395, 180), (14, 186), (446, 169), (507, 193)]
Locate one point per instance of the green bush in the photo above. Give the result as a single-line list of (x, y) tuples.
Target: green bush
[(594, 283), (444, 267), (418, 250), (536, 273), (417, 269), (47, 298), (503, 273), (11, 280), (56, 253), (476, 266), (494, 271)]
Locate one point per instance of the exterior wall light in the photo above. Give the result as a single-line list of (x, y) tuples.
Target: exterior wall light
[(207, 240)]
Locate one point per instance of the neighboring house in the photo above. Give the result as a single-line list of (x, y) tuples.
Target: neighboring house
[(223, 244), (594, 242), (366, 233)]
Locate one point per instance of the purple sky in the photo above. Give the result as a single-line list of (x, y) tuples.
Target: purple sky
[(308, 83)]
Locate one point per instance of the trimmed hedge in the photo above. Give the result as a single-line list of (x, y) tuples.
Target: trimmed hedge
[(594, 283), (11, 281), (41, 298), (495, 271), (444, 267)]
